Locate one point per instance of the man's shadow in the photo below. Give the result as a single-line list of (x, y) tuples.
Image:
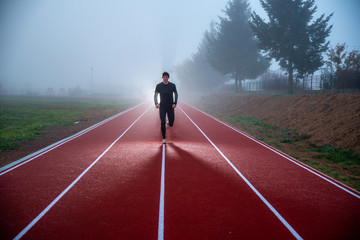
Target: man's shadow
[(204, 195)]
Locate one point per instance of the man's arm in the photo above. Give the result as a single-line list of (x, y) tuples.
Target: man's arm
[(176, 95), (156, 96)]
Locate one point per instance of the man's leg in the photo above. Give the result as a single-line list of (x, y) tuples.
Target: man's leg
[(171, 116), (163, 121)]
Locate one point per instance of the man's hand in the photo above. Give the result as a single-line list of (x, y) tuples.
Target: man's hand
[(157, 105), (173, 106)]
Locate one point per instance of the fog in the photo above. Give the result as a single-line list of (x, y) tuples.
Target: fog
[(116, 47)]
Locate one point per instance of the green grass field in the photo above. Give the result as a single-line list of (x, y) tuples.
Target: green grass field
[(25, 118)]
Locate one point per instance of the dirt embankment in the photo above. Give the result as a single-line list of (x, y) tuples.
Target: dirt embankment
[(325, 119)]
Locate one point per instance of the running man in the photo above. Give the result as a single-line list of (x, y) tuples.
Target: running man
[(167, 104)]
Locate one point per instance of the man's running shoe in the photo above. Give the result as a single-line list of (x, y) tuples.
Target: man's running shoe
[(164, 140)]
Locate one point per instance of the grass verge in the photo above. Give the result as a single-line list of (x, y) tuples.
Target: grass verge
[(25, 118)]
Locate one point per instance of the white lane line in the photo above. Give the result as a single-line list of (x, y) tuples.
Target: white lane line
[(33, 222), (276, 213), (41, 152), (309, 169), (162, 197)]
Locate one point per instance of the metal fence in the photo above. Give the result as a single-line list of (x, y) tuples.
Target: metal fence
[(277, 84)]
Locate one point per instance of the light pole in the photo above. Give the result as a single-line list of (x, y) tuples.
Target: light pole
[(91, 80)]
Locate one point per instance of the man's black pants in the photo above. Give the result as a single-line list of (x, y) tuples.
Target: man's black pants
[(171, 116)]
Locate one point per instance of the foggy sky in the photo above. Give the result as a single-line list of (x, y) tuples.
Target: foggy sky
[(56, 43)]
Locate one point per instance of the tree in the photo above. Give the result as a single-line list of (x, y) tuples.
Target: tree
[(196, 74), (336, 58), (232, 48), (343, 67), (291, 37), (340, 60)]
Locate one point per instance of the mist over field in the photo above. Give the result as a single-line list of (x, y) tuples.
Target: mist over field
[(117, 48)]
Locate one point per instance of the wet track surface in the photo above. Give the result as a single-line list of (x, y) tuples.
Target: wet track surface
[(218, 184)]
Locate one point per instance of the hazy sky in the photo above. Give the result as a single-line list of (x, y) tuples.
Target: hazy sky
[(55, 43)]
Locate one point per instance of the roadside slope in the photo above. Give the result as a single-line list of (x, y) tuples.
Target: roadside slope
[(313, 129), (324, 119)]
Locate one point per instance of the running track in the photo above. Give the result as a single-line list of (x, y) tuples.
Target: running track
[(116, 180)]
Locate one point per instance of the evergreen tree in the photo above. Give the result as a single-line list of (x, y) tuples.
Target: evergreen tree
[(232, 48), (291, 37), (196, 74)]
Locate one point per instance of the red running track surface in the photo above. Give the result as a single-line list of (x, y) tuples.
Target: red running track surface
[(118, 196)]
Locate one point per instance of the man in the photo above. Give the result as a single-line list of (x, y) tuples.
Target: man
[(167, 104)]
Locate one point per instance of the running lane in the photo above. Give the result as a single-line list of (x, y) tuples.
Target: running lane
[(118, 198), (28, 189), (205, 198), (314, 205)]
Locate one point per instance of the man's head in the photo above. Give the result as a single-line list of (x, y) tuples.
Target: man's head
[(165, 77)]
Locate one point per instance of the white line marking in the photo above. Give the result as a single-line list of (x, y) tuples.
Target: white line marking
[(33, 222), (37, 154), (313, 171), (277, 214), (162, 196)]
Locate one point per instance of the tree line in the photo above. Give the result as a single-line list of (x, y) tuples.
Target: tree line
[(342, 69), (241, 45)]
